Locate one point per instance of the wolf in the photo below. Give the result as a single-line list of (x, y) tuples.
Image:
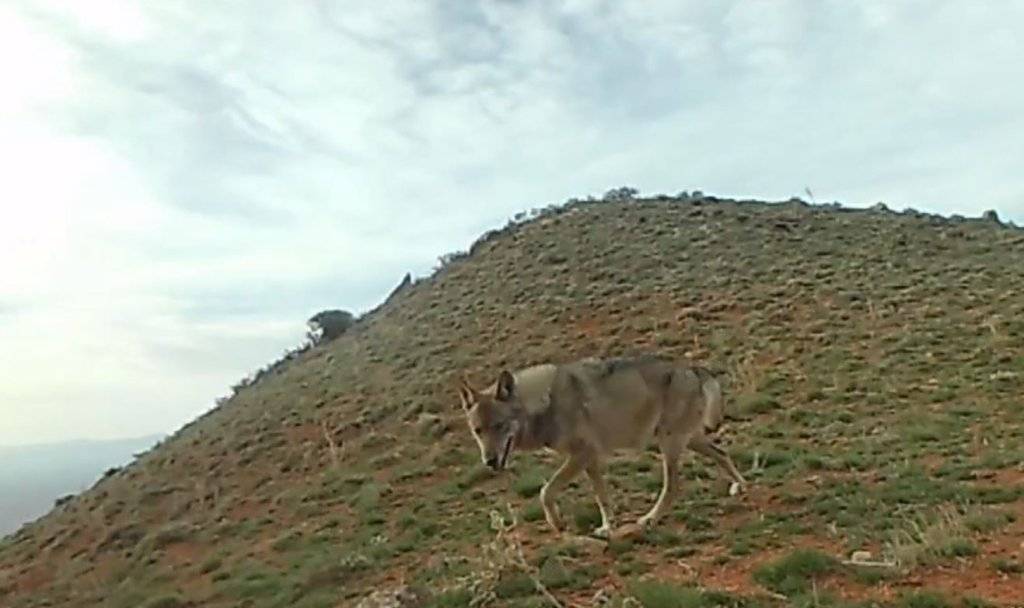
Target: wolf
[(590, 408)]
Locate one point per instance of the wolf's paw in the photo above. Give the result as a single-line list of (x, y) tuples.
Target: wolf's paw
[(633, 530), (645, 522), (735, 488), (554, 520), (604, 532)]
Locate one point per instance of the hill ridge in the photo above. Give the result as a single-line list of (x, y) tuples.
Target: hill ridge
[(348, 468)]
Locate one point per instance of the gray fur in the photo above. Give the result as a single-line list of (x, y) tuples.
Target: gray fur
[(590, 408)]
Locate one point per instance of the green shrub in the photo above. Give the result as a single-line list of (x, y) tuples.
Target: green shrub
[(923, 599), (656, 594), (528, 484), (791, 574)]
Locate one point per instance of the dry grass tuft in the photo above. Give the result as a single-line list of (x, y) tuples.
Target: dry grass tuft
[(925, 540), (501, 556)]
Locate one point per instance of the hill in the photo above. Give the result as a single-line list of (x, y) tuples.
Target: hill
[(34, 476), (876, 366)]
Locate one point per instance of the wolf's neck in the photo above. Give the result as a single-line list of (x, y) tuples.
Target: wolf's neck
[(538, 428), (537, 420)]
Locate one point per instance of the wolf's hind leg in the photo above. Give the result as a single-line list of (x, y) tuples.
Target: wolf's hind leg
[(702, 444), (565, 473)]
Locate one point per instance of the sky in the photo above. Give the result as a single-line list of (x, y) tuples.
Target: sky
[(184, 184)]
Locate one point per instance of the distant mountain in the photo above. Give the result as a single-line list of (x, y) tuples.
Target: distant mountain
[(32, 477)]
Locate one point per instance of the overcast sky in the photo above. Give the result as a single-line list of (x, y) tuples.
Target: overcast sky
[(183, 184)]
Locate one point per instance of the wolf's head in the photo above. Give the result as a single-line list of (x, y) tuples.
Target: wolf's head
[(493, 418)]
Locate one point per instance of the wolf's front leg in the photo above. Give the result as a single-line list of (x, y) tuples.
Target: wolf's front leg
[(595, 471), (671, 446), (704, 445), (565, 473)]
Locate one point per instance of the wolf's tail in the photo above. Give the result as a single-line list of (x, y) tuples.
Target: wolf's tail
[(714, 402)]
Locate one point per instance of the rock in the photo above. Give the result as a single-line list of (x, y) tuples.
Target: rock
[(431, 424), (860, 557)]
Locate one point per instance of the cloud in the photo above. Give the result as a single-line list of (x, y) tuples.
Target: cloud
[(190, 182)]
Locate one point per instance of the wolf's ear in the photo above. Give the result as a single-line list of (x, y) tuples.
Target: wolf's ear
[(505, 387), (466, 393)]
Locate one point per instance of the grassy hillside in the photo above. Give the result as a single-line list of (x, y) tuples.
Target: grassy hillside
[(876, 372)]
